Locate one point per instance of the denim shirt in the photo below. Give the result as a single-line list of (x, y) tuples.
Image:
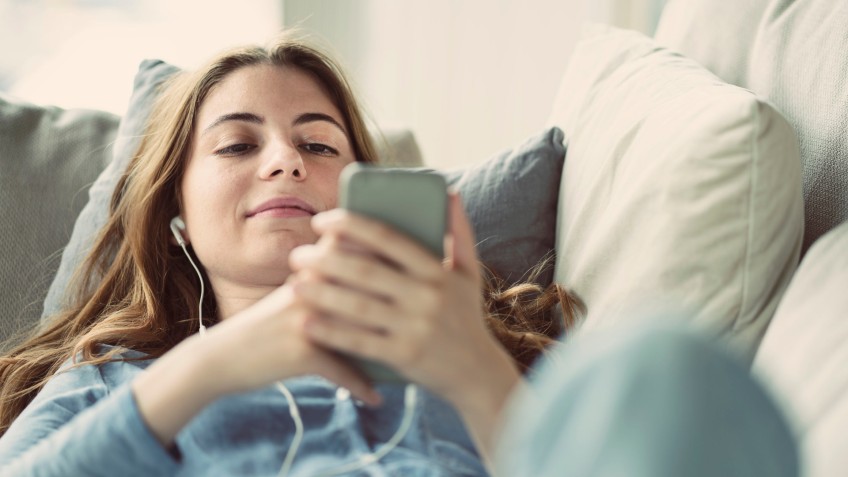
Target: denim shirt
[(85, 421)]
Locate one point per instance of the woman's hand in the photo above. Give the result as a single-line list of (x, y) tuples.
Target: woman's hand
[(258, 346), (379, 295), (266, 342)]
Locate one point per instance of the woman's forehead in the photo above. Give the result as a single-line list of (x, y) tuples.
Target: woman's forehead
[(277, 90)]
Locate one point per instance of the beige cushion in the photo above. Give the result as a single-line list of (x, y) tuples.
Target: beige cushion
[(681, 19), (793, 53), (678, 190), (804, 355)]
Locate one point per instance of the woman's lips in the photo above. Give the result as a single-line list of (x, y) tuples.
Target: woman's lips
[(283, 212), (282, 207)]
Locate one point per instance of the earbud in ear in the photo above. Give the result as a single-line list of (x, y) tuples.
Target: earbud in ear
[(177, 225)]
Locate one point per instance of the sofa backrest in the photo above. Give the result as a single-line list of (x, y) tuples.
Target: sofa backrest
[(792, 53), (49, 157)]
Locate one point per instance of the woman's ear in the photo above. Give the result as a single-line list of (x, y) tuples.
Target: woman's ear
[(179, 234)]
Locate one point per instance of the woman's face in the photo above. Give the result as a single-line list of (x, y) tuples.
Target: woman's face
[(266, 153)]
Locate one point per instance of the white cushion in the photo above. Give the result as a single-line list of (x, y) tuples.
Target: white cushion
[(804, 355), (690, 27), (678, 189), (792, 53)]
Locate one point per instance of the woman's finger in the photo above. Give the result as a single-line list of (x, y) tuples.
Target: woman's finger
[(381, 239), (461, 252), (354, 270), (340, 336), (355, 307)]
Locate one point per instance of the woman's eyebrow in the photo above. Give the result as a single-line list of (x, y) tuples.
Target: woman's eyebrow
[(246, 117), (312, 117)]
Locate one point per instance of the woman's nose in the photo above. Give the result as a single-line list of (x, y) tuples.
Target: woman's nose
[(284, 160)]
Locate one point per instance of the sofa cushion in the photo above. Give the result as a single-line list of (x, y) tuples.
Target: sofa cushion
[(48, 158), (791, 53), (511, 200), (678, 190), (804, 353)]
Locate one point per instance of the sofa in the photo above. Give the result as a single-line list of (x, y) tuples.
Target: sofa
[(705, 177), (792, 53)]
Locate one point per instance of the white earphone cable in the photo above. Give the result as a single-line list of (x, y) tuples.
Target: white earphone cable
[(200, 277), (409, 400), (298, 430)]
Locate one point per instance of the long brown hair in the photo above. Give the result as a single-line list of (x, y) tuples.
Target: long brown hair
[(136, 291), (526, 317)]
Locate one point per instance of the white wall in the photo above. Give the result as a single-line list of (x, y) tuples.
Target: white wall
[(469, 77), (77, 53)]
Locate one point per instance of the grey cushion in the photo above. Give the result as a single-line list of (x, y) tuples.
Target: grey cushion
[(48, 159), (793, 54), (511, 201)]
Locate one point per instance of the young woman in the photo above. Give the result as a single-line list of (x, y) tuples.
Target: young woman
[(248, 151)]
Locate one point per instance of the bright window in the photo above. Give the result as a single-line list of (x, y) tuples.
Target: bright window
[(84, 53)]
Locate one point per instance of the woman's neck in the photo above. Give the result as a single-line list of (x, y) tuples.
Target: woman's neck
[(232, 298)]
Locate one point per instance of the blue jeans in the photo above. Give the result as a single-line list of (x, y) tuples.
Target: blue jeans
[(644, 404)]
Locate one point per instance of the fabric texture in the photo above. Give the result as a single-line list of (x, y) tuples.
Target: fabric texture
[(48, 159), (791, 53), (644, 402), (804, 352), (395, 146), (86, 422), (678, 188)]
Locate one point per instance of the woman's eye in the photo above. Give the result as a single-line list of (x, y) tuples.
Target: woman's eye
[(234, 150), (320, 149)]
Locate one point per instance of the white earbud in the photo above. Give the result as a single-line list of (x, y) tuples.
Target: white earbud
[(177, 225)]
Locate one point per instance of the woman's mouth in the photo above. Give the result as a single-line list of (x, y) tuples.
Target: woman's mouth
[(283, 207)]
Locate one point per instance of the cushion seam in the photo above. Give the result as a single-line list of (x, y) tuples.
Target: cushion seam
[(755, 155)]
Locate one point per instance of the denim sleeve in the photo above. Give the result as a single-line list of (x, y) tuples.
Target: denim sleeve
[(78, 426)]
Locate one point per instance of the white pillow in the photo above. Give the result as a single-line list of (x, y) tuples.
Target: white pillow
[(689, 26), (678, 190), (793, 53), (804, 355)]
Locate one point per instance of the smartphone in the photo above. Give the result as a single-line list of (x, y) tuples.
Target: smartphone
[(413, 202)]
